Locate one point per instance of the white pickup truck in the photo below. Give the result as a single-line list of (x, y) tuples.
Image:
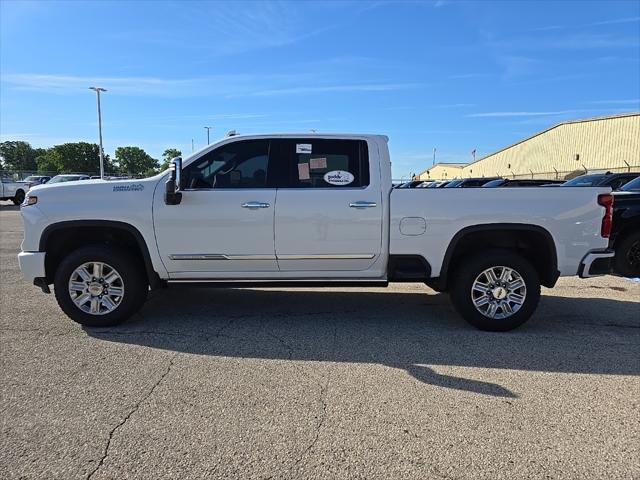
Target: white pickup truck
[(300, 210), (14, 191)]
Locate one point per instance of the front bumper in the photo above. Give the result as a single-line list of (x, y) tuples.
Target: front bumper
[(31, 265), (596, 263)]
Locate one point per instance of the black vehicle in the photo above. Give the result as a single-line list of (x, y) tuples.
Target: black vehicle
[(470, 182), (411, 184), (632, 186), (625, 232), (613, 180), (525, 182)]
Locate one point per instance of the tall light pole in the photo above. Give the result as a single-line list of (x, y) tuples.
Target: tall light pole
[(98, 90), (207, 129)]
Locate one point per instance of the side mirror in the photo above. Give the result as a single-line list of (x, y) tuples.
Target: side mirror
[(172, 194)]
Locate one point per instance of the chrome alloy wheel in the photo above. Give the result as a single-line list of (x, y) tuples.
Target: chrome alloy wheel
[(498, 292), (96, 288)]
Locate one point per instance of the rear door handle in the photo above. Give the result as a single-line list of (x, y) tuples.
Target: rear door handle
[(255, 205), (363, 204)]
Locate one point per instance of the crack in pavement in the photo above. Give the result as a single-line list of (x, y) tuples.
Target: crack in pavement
[(323, 398), (128, 416)]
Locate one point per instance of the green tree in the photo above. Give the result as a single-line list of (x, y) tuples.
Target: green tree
[(18, 155), (135, 161), (73, 157), (168, 155)]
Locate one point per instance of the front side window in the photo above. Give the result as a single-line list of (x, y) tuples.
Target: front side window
[(324, 163), (241, 164)]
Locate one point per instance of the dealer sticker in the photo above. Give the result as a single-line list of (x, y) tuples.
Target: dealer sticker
[(338, 177), (303, 148)]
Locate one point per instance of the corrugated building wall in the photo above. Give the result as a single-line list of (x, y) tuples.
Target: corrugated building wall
[(603, 143)]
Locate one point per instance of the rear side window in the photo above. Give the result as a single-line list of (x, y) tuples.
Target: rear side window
[(322, 163)]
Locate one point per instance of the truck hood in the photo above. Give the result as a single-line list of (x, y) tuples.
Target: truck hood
[(96, 187)]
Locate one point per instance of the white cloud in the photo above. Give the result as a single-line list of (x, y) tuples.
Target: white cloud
[(220, 85), (631, 101), (520, 114), (366, 87)]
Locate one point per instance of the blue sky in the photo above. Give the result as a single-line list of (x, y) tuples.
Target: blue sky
[(454, 76)]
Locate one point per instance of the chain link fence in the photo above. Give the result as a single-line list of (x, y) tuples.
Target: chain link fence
[(553, 175), (568, 175)]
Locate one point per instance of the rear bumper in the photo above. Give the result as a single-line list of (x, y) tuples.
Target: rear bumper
[(31, 265), (596, 263)]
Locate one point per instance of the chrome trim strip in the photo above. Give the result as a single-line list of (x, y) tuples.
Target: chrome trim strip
[(218, 256), (362, 256)]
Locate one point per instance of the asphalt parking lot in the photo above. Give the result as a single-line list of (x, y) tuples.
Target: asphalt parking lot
[(318, 383)]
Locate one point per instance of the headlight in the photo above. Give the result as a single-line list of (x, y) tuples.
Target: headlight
[(29, 200)]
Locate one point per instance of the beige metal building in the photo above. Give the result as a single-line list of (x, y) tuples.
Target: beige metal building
[(442, 171), (564, 150)]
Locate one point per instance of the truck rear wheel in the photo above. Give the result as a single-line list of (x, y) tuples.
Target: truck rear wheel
[(496, 291), (100, 286)]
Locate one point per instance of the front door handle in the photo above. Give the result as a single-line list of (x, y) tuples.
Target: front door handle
[(255, 205), (363, 204)]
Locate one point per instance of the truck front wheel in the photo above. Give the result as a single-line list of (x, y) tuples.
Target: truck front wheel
[(496, 291), (18, 198), (100, 286)]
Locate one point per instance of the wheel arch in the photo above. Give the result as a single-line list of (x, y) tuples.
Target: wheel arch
[(530, 240), (82, 232)]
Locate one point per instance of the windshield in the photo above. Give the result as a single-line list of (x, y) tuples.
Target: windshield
[(64, 178), (494, 183), (584, 181), (453, 184), (32, 179), (632, 186)]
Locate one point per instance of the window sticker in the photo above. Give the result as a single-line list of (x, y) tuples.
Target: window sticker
[(303, 148), (338, 177), (318, 163), (303, 171)]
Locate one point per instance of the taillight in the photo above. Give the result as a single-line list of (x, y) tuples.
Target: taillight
[(606, 200)]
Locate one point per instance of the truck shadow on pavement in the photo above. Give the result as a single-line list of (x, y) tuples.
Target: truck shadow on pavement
[(415, 331)]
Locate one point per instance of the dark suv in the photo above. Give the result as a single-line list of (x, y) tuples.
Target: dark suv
[(625, 234), (470, 182), (613, 180)]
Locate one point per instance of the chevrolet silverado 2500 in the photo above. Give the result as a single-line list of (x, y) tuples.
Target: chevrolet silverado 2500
[(301, 210)]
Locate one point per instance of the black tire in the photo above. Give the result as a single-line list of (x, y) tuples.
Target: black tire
[(627, 259), (18, 198), (470, 268), (127, 266)]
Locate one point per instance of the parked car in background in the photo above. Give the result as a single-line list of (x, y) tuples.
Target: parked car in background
[(525, 182), (453, 183), (33, 180), (625, 232), (68, 178), (435, 183), (608, 179), (470, 182), (14, 191), (632, 186), (411, 184)]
